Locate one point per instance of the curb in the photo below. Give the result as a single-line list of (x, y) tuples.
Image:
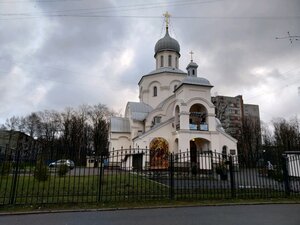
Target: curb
[(143, 208)]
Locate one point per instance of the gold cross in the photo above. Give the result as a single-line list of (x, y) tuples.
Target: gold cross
[(191, 52), (167, 18)]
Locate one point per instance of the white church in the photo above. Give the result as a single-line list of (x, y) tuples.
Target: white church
[(174, 113)]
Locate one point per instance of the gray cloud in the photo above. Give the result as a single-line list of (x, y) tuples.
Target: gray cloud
[(61, 58)]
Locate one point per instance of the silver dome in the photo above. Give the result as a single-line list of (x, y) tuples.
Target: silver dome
[(167, 43), (196, 81)]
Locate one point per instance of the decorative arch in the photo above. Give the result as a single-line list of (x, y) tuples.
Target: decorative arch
[(174, 84), (176, 145), (154, 83), (198, 117), (159, 153), (125, 137), (197, 146), (203, 101)]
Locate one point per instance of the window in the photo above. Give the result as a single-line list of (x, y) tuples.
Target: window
[(176, 62), (224, 151), (157, 120), (154, 91), (232, 152), (161, 61), (193, 72), (170, 60)]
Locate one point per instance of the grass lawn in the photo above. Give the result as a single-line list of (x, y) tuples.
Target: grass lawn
[(80, 189), (115, 186)]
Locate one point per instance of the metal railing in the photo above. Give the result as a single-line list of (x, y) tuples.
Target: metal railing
[(142, 174)]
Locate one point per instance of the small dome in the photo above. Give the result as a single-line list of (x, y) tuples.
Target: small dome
[(192, 64), (196, 81), (167, 43)]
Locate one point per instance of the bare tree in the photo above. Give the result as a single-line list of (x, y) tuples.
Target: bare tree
[(12, 123), (32, 124), (99, 116), (73, 133), (286, 134), (251, 140)]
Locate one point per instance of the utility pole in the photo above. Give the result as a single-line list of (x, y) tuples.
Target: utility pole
[(290, 37)]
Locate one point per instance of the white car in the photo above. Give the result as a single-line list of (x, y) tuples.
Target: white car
[(68, 162)]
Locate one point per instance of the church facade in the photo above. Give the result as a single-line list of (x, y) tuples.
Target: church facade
[(175, 113)]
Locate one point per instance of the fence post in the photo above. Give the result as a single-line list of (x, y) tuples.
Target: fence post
[(285, 174), (12, 196), (232, 178), (100, 178), (171, 177)]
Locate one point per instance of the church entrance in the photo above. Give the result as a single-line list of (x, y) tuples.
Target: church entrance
[(193, 152), (200, 158), (137, 161), (159, 154)]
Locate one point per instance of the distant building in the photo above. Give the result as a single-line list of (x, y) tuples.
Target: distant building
[(236, 116), (251, 111), (11, 140), (230, 111)]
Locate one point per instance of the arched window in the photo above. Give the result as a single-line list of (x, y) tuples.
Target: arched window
[(170, 60), (224, 152), (154, 91), (177, 118), (161, 61), (176, 62), (198, 118), (193, 72)]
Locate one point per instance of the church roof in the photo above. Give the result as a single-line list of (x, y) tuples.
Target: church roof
[(167, 43), (119, 124), (199, 81), (219, 124), (192, 64), (139, 110), (164, 101), (164, 70)]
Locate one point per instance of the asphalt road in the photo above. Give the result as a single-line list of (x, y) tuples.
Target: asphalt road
[(288, 214)]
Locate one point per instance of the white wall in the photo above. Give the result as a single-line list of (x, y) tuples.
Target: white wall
[(165, 87), (120, 140)]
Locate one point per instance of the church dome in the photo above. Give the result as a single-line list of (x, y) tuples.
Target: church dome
[(167, 43), (196, 81)]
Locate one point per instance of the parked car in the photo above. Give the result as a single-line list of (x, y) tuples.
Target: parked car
[(68, 162)]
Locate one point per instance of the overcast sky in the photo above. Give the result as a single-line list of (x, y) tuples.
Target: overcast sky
[(60, 53)]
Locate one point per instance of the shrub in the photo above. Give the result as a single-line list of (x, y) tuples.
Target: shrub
[(276, 174), (221, 168), (41, 172), (62, 170), (194, 169), (5, 168)]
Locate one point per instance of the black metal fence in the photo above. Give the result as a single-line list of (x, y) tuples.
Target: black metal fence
[(33, 177)]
